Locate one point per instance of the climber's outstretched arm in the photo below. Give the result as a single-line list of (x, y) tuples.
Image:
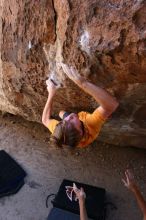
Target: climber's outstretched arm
[(108, 103), (46, 116)]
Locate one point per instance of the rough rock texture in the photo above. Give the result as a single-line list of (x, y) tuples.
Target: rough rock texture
[(105, 40)]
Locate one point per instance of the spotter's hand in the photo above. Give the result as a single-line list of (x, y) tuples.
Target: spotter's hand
[(129, 180), (80, 194)]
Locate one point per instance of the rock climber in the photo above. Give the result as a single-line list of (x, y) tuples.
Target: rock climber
[(78, 129)]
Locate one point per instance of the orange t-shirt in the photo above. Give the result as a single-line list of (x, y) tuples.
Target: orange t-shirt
[(92, 125)]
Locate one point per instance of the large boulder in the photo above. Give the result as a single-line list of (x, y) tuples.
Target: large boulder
[(106, 42)]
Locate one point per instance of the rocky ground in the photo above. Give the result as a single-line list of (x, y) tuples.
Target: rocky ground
[(100, 165)]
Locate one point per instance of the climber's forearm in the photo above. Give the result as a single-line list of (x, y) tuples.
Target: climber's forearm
[(107, 103), (47, 110), (102, 97)]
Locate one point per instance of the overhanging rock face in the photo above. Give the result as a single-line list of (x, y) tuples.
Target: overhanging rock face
[(105, 40)]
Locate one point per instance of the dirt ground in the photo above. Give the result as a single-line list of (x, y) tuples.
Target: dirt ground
[(100, 165)]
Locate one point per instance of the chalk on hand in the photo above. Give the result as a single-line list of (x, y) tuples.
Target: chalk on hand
[(53, 81), (47, 82)]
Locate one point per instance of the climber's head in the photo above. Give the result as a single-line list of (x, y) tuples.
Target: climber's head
[(69, 131)]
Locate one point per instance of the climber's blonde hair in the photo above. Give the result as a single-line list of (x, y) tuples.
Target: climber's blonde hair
[(66, 134)]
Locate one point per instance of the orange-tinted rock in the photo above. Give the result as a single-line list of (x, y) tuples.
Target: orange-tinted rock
[(105, 40)]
